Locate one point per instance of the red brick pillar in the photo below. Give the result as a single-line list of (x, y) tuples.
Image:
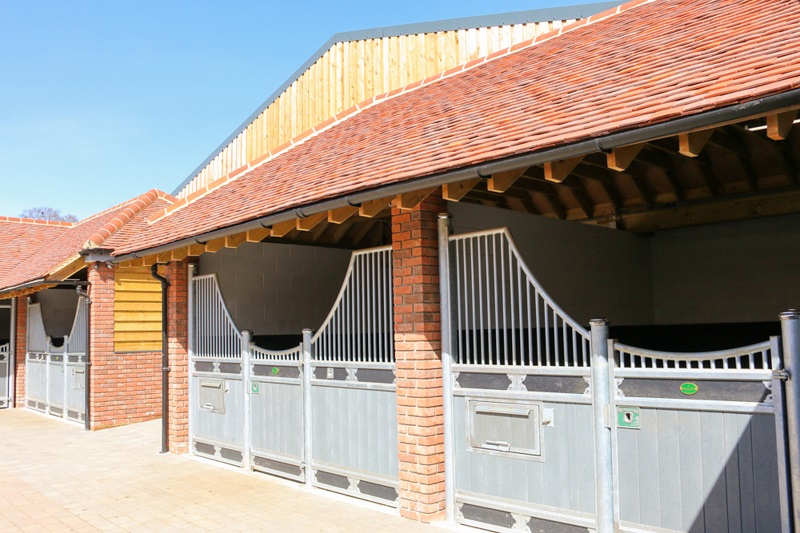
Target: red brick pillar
[(107, 388), (417, 336), (20, 349), (178, 347)]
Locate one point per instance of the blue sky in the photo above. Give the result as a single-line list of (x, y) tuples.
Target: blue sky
[(103, 100)]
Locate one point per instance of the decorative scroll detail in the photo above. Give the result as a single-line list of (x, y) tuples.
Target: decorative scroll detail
[(501, 313), (359, 327), (215, 334)]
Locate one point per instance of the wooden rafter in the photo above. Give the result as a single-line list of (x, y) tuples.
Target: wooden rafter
[(235, 240), (692, 143), (557, 171), (733, 144), (310, 222), (66, 270), (258, 234), (340, 215), (373, 208), (620, 158), (410, 200), (501, 181), (454, 192), (281, 229), (215, 245), (780, 124)]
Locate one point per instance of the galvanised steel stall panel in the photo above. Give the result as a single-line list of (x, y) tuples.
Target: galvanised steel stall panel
[(75, 359), (353, 406), (217, 410), (5, 358), (55, 379), (276, 412), (699, 440), (36, 360), (522, 415)]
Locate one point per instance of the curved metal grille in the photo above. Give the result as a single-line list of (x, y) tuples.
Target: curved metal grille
[(215, 334), (262, 354), (37, 336), (76, 343), (359, 327), (753, 357), (501, 314)]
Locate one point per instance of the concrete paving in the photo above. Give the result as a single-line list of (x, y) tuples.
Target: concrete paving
[(56, 477)]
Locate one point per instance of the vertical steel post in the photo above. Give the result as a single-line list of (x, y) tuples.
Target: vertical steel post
[(790, 331), (66, 368), (601, 399), (778, 402), (47, 356), (309, 471), (247, 335), (12, 357), (190, 354), (447, 362)]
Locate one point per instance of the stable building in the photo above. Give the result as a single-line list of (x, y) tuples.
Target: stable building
[(540, 289)]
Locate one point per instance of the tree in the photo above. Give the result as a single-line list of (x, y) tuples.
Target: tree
[(48, 213)]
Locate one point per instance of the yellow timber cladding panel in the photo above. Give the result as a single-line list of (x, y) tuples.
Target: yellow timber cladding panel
[(137, 311), (349, 73)]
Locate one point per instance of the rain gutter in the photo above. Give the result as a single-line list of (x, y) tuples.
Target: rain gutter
[(604, 144)]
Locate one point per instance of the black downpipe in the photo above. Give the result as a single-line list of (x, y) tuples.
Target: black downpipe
[(87, 418), (164, 361)]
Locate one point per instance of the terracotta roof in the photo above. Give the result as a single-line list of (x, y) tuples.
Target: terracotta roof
[(640, 64), (20, 238), (61, 245)]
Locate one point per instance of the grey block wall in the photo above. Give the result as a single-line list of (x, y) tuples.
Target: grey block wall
[(278, 289), (746, 271)]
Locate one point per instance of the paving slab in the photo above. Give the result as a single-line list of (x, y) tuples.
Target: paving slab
[(54, 476)]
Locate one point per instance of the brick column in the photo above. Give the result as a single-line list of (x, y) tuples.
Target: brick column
[(108, 390), (417, 336), (20, 349), (178, 339)]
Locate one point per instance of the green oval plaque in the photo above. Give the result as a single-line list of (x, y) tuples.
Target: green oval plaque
[(689, 388), (275, 370)]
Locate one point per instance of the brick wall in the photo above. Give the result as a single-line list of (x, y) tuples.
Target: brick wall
[(178, 338), (125, 387), (418, 356), (21, 341)]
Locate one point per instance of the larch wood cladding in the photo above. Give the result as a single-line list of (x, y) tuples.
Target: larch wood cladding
[(351, 72), (137, 311)]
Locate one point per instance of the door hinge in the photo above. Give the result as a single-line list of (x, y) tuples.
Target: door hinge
[(782, 374)]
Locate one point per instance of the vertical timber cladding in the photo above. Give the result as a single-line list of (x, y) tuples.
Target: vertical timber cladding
[(522, 410), (351, 72), (137, 311)]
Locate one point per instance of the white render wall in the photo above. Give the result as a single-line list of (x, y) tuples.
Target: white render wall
[(278, 289), (746, 271)]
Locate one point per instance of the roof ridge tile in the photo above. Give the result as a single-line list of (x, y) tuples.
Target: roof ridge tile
[(128, 211)]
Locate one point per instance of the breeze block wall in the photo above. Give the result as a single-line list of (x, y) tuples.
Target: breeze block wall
[(177, 273), (125, 386), (417, 340), (20, 349)]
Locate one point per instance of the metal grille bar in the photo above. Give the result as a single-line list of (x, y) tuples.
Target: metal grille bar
[(753, 357), (262, 354), (359, 326), (37, 336), (215, 333), (502, 315), (76, 343)]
